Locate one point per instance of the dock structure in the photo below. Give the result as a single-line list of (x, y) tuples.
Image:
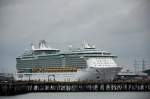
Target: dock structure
[(20, 87)]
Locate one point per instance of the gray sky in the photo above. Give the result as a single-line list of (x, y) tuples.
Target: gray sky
[(119, 26)]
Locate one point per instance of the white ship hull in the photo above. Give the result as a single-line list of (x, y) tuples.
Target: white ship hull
[(96, 74), (90, 73)]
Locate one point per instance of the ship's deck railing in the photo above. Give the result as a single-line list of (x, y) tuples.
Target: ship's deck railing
[(55, 69)]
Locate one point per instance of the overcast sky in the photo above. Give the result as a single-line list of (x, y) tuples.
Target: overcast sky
[(119, 26)]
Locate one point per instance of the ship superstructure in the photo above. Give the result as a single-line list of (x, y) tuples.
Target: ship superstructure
[(46, 63)]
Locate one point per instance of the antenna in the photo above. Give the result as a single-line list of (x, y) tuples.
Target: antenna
[(143, 65), (139, 65), (135, 66)]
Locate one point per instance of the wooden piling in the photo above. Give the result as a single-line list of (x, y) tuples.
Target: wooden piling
[(20, 87)]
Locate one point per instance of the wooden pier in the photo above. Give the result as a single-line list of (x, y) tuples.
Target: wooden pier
[(20, 87)]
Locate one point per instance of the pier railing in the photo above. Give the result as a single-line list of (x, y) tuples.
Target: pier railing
[(20, 87)]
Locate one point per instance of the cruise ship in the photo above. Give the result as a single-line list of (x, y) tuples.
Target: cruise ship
[(75, 64)]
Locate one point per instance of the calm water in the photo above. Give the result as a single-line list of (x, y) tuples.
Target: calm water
[(83, 95)]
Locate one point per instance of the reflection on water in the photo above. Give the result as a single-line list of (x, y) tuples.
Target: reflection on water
[(83, 95)]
